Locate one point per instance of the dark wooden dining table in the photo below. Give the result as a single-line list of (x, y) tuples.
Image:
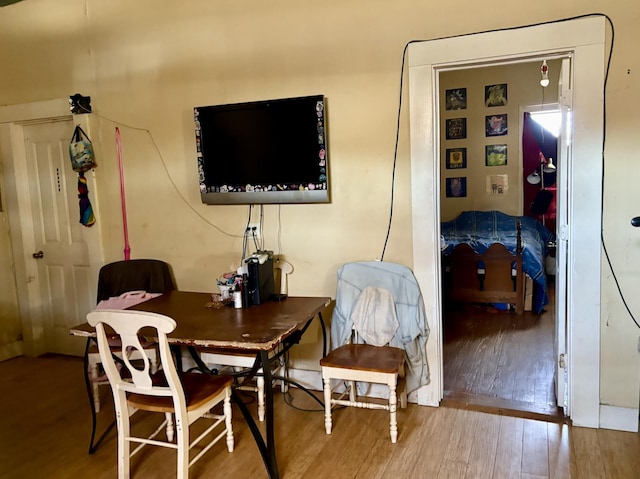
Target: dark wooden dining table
[(257, 329)]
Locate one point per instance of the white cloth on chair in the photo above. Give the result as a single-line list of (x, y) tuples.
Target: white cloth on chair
[(374, 316), (413, 329)]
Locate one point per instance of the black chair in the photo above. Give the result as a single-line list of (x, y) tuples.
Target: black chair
[(115, 279)]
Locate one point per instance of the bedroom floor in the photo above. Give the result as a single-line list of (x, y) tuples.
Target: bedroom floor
[(501, 362)]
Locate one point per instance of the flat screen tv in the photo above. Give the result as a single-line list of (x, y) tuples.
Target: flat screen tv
[(263, 152)]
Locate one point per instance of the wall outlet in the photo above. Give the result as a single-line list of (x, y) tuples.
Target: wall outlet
[(253, 231)]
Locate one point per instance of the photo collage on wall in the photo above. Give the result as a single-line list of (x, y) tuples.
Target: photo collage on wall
[(495, 125), (456, 129)]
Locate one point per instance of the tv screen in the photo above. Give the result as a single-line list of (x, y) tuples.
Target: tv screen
[(263, 152)]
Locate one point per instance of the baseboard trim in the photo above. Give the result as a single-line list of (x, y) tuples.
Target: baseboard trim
[(619, 418), (11, 350)]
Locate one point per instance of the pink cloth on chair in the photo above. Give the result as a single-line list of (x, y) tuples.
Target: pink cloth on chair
[(125, 300)]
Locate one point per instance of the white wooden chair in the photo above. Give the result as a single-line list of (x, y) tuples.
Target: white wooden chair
[(373, 320), (213, 357), (366, 363), (188, 396)]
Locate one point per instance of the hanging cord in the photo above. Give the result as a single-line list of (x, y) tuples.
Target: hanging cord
[(244, 238), (604, 141), (164, 165), (604, 128)]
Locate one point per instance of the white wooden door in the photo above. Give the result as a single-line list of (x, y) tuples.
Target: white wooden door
[(60, 253), (562, 218)]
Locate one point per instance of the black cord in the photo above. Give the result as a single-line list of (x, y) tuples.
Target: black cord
[(604, 127), (604, 141), (244, 236)]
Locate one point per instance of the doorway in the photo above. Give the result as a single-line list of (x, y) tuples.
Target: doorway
[(581, 39), (55, 257), (493, 358)]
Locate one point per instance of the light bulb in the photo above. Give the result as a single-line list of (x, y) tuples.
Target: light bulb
[(544, 70)]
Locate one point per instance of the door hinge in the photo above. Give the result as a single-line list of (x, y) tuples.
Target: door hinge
[(562, 232), (562, 361)]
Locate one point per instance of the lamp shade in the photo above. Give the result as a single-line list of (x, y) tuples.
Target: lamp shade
[(534, 178), (549, 167)]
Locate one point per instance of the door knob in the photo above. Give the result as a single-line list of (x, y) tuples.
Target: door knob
[(38, 255)]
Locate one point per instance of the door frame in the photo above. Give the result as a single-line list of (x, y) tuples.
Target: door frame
[(13, 118), (583, 39)]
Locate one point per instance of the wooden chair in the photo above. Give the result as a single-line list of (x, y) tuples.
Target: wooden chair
[(374, 321), (238, 361), (188, 396), (117, 279)]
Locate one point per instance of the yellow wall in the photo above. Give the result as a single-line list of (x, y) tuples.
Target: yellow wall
[(147, 63), (523, 90)]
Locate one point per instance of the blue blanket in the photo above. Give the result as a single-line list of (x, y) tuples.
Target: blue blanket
[(480, 229)]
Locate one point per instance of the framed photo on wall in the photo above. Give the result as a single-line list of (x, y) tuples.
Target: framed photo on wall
[(456, 187), (495, 95), (456, 128), (456, 158), (456, 99), (497, 184), (495, 155), (496, 125)]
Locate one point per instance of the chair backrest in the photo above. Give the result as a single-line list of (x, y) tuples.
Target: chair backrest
[(397, 279), (127, 324), (150, 275)]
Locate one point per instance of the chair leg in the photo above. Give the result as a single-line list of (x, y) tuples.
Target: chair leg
[(260, 392), (153, 363), (352, 390), (93, 375), (170, 428), (282, 371), (327, 405), (182, 438), (393, 406), (124, 446), (226, 407)]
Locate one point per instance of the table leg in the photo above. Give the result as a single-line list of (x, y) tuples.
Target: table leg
[(266, 446), (271, 444), (94, 420), (87, 382)]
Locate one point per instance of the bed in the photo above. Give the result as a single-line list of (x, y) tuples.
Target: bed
[(487, 256)]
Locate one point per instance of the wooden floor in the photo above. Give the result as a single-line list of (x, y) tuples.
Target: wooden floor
[(45, 428), (500, 361)]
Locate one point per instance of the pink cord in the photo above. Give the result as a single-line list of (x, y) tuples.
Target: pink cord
[(127, 248)]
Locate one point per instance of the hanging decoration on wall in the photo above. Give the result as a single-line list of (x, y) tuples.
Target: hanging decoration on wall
[(497, 184), (82, 160), (495, 155), (495, 95), (456, 158), (456, 187), (87, 218), (496, 125), (456, 99), (456, 129)]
